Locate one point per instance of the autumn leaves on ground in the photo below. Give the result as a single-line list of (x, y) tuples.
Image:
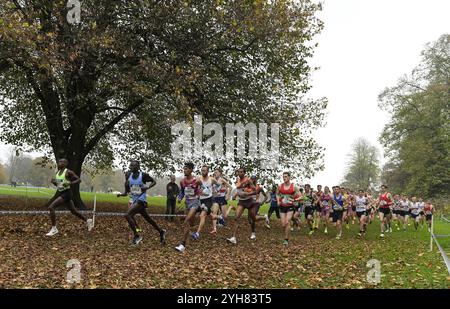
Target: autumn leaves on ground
[(29, 259)]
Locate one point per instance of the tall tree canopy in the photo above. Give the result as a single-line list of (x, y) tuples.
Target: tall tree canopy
[(112, 85), (416, 139), (363, 166)]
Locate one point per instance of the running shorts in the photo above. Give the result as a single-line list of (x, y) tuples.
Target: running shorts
[(309, 211), (246, 203), (360, 213), (385, 211), (220, 200), (429, 216), (206, 205), (66, 195), (287, 209), (337, 215)]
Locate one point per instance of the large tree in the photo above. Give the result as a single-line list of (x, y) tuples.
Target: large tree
[(131, 69), (416, 139), (363, 166)]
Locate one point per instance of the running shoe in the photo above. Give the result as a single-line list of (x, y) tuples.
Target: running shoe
[(180, 248), (253, 236), (195, 236), (311, 232), (53, 231), (382, 235), (326, 231), (162, 237), (136, 240), (89, 224), (285, 242), (232, 240)]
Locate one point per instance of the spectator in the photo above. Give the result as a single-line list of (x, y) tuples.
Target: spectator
[(172, 192)]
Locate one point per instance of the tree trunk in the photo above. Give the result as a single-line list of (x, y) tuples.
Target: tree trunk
[(75, 164)]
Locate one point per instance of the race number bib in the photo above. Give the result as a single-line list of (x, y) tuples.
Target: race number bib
[(337, 207), (383, 203), (286, 200), (189, 191), (325, 203), (136, 190), (59, 184), (308, 203)]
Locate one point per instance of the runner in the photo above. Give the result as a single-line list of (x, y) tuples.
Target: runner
[(325, 201), (135, 184), (429, 210), (64, 178), (256, 205), (361, 210), (244, 191), (347, 207), (337, 210), (298, 205), (422, 212), (317, 207), (414, 211), (206, 201), (286, 197), (396, 211), (190, 191), (273, 206), (404, 211), (308, 204), (221, 194), (384, 203)]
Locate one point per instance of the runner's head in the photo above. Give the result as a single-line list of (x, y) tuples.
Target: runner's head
[(217, 172), (254, 179), (62, 163), (396, 197), (307, 188), (383, 188), (205, 170), (360, 193), (319, 188), (134, 165), (336, 189), (188, 168), (326, 190), (241, 172), (172, 178), (420, 199), (414, 199), (286, 177)]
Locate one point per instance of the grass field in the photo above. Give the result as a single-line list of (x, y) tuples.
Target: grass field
[(29, 259)]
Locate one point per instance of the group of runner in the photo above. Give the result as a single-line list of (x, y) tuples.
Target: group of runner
[(208, 195)]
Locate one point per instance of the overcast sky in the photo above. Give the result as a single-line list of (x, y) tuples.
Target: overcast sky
[(366, 46)]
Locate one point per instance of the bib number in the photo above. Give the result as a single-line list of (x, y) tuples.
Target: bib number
[(136, 190), (189, 191)]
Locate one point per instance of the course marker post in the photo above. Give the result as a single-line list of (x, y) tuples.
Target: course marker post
[(93, 214), (431, 233)]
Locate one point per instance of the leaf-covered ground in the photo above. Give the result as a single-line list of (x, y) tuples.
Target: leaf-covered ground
[(29, 259)]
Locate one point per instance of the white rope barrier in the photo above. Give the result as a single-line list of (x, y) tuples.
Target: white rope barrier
[(101, 214)]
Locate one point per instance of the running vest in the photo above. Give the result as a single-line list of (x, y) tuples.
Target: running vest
[(404, 205), (421, 206), (273, 199), (191, 189), (258, 190), (319, 196), (397, 205), (135, 188), (62, 184), (206, 188), (245, 189), (340, 202), (286, 194), (415, 208), (325, 199), (308, 199), (427, 209), (385, 202), (361, 203), (219, 189)]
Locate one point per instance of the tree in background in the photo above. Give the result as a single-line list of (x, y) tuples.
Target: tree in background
[(3, 177), (131, 69), (416, 139), (363, 166), (18, 166), (41, 172)]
